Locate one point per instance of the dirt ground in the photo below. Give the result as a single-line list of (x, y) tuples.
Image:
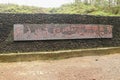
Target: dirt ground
[(105, 67)]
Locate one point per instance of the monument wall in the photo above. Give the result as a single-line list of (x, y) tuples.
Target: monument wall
[(30, 32), (7, 44)]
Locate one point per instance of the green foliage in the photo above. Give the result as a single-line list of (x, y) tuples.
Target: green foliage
[(101, 13), (82, 8), (73, 8), (12, 8), (114, 10)]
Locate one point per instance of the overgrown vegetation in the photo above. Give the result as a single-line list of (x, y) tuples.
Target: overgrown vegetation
[(82, 8), (87, 7), (12, 8)]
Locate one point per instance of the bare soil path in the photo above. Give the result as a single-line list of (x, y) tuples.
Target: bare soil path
[(105, 67)]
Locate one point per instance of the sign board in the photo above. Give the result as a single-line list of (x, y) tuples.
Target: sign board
[(24, 32)]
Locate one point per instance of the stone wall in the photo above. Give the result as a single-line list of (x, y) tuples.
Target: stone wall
[(8, 20)]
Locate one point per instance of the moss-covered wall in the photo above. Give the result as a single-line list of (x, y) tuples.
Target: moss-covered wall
[(8, 20)]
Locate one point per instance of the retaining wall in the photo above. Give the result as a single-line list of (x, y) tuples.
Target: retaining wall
[(8, 20)]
